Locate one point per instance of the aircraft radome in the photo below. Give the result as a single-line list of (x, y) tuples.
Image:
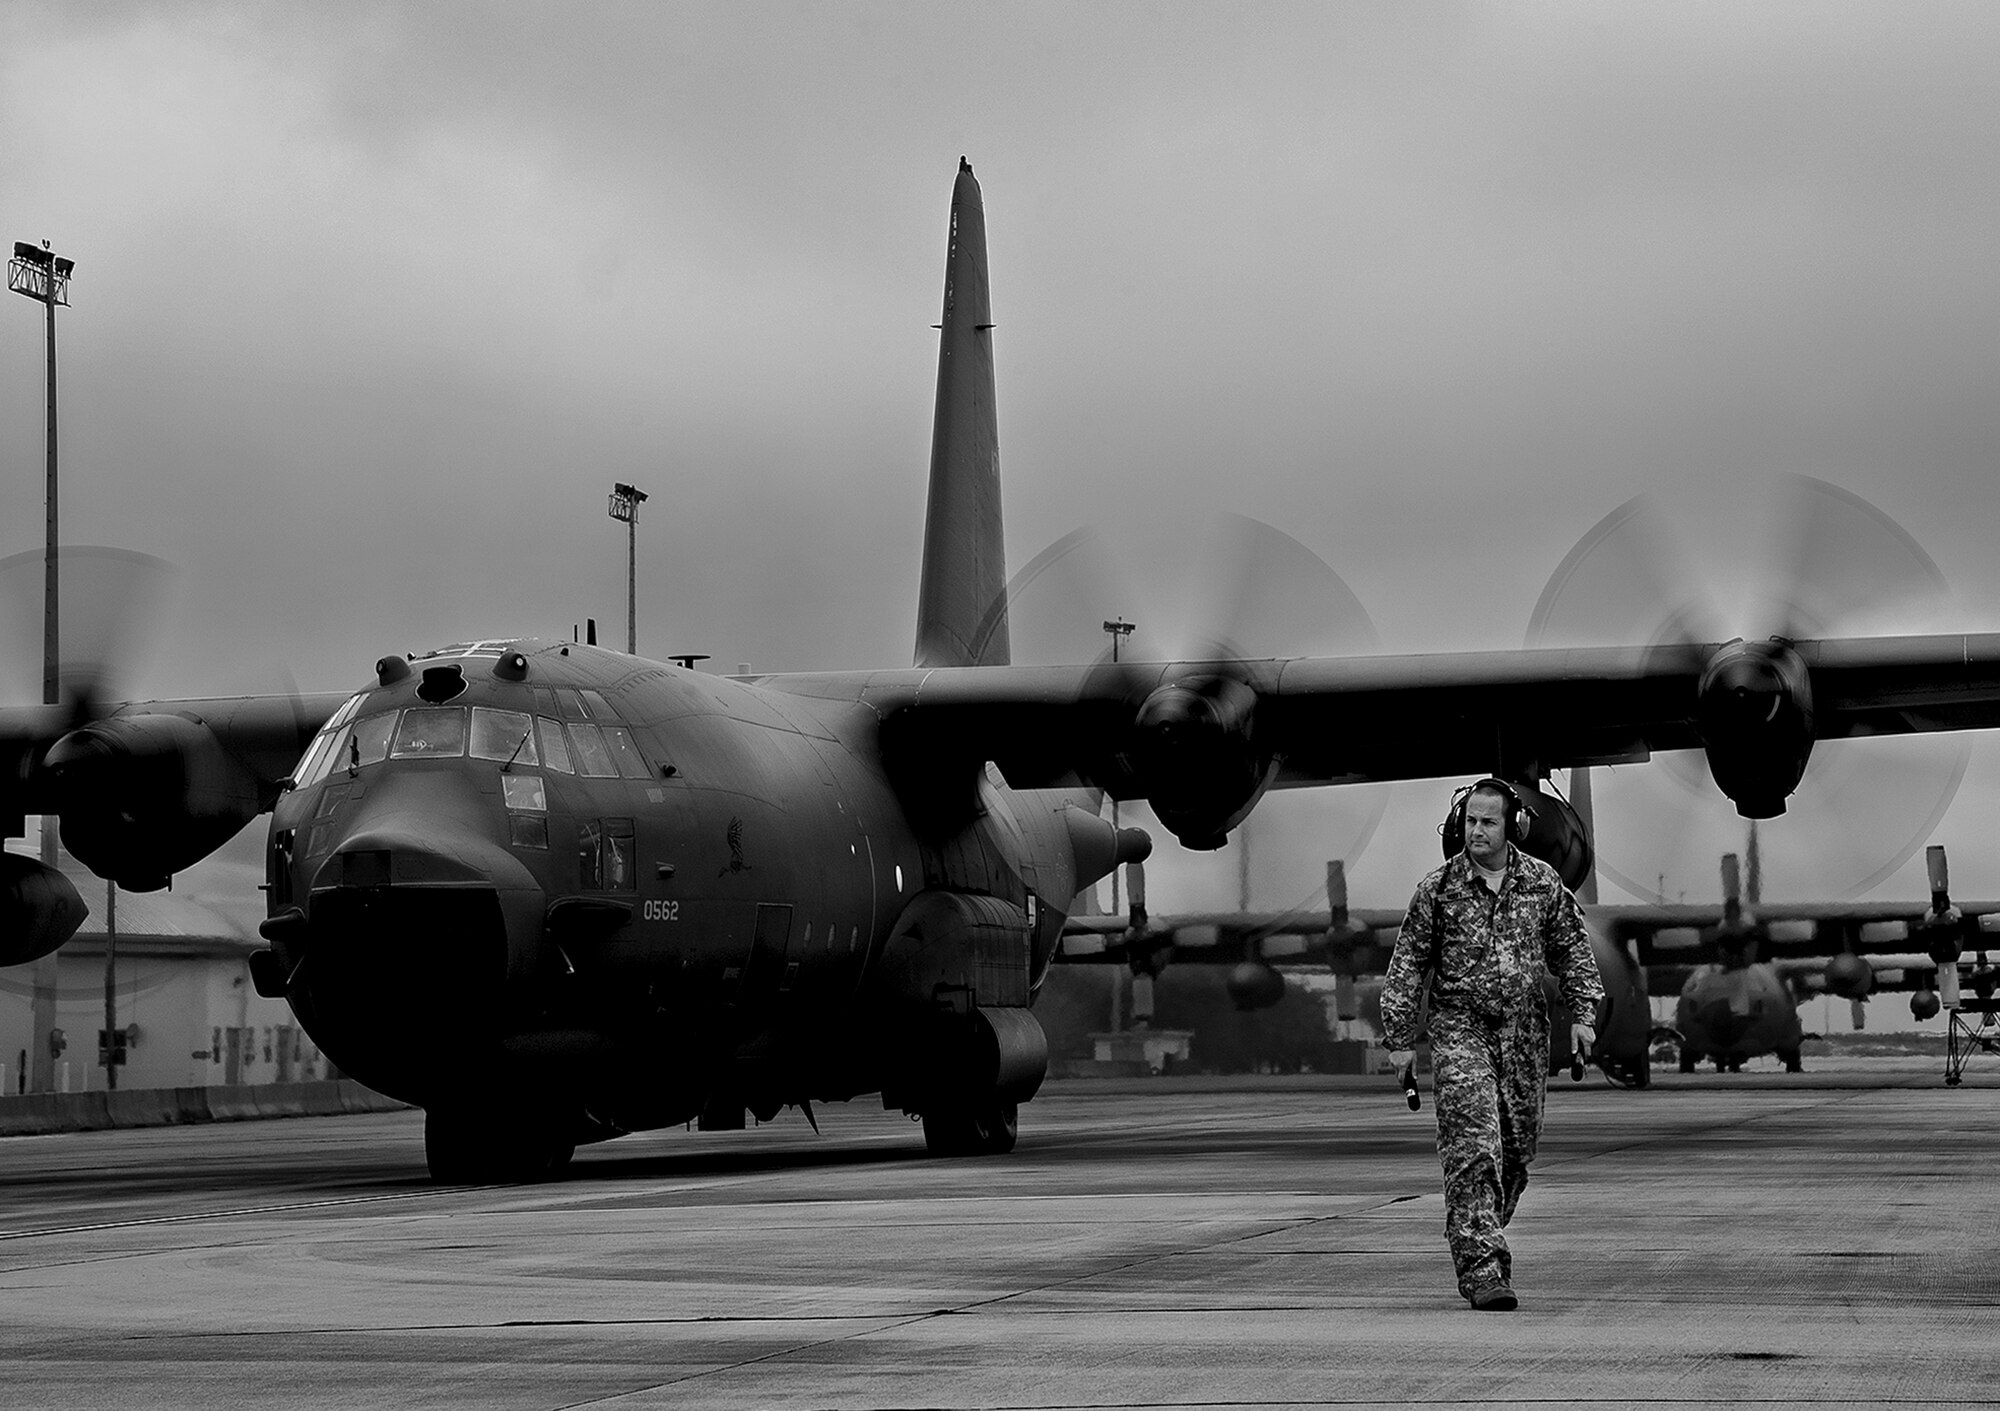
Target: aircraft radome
[(649, 896)]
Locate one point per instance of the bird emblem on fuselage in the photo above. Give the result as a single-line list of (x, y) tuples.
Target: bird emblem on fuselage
[(736, 862)]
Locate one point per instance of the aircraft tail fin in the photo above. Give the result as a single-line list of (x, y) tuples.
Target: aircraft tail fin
[(962, 599)]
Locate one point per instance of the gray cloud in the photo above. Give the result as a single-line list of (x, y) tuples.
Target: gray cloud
[(374, 302)]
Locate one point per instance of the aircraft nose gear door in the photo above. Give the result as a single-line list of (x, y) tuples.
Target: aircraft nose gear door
[(769, 945)]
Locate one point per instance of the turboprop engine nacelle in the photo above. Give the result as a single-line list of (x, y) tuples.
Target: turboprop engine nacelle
[(1754, 709), (39, 909), (1849, 976), (142, 796), (1254, 985), (1197, 759)]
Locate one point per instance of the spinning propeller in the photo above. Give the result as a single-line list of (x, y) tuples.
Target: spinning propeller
[(1824, 562), (1203, 592), (141, 793), (109, 603)]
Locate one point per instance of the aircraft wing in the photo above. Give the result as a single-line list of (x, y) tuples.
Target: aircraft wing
[(1233, 937), (148, 788), (1797, 931), (1190, 734)]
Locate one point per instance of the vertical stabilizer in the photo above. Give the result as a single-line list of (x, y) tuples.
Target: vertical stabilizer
[(962, 601)]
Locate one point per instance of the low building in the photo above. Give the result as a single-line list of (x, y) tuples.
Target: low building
[(180, 981)]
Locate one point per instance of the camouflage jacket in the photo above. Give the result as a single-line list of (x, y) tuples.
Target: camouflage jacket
[(1486, 955)]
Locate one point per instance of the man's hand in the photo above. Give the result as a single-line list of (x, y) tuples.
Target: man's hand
[(1581, 1040), (1405, 1061)]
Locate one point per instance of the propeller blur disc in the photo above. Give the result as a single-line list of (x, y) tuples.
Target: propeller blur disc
[(109, 606), (1816, 561), (1198, 587)]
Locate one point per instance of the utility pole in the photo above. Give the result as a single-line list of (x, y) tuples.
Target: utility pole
[(112, 1054), (39, 273), (625, 502)]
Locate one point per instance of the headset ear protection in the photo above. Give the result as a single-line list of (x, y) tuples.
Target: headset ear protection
[(1520, 817)]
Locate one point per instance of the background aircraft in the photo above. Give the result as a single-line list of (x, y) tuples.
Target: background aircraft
[(1354, 943), (654, 896), (1741, 972), (1742, 976)]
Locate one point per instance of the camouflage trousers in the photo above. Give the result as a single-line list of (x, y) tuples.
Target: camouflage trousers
[(1491, 1077)]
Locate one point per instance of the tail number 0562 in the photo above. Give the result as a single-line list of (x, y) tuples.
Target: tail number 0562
[(661, 911)]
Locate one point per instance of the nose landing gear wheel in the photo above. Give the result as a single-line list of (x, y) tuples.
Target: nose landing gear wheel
[(978, 1129), (485, 1148)]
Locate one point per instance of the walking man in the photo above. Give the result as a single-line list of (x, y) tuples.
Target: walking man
[(1481, 931)]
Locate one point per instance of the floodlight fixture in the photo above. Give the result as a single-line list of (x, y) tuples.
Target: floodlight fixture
[(40, 273), (1119, 629)]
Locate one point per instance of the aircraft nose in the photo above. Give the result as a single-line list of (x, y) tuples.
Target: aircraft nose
[(1724, 1023), (420, 947)]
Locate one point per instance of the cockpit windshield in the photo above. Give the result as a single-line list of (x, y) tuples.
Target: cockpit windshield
[(514, 738), (507, 735), (429, 733)]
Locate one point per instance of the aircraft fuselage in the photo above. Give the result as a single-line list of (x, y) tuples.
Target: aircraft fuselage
[(1729, 1013), (637, 894)]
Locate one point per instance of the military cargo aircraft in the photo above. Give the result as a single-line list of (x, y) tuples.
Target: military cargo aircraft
[(1743, 976), (648, 896), (1741, 970)]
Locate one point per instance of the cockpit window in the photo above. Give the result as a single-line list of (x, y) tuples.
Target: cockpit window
[(555, 749), (371, 739), (593, 760), (318, 758), (597, 706), (569, 705), (506, 735), (625, 754), (340, 746), (346, 712), (430, 734)]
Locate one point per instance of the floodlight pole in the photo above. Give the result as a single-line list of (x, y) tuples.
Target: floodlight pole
[(625, 502), (1119, 629), (39, 273)]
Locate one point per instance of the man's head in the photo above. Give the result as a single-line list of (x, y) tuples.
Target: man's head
[(1486, 810)]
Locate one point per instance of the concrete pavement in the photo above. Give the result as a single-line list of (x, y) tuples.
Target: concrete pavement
[(1261, 1243)]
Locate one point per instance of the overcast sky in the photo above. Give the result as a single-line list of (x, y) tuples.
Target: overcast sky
[(373, 304)]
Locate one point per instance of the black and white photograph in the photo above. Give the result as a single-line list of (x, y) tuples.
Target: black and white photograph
[(875, 704)]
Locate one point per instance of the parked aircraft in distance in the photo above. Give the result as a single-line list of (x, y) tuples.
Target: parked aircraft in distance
[(651, 896), (1741, 972), (1743, 976), (1353, 942)]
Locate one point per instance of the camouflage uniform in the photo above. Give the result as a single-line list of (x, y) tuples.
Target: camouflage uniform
[(1484, 956)]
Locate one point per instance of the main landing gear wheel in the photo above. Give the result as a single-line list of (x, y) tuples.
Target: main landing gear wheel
[(982, 1129), (488, 1148)]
